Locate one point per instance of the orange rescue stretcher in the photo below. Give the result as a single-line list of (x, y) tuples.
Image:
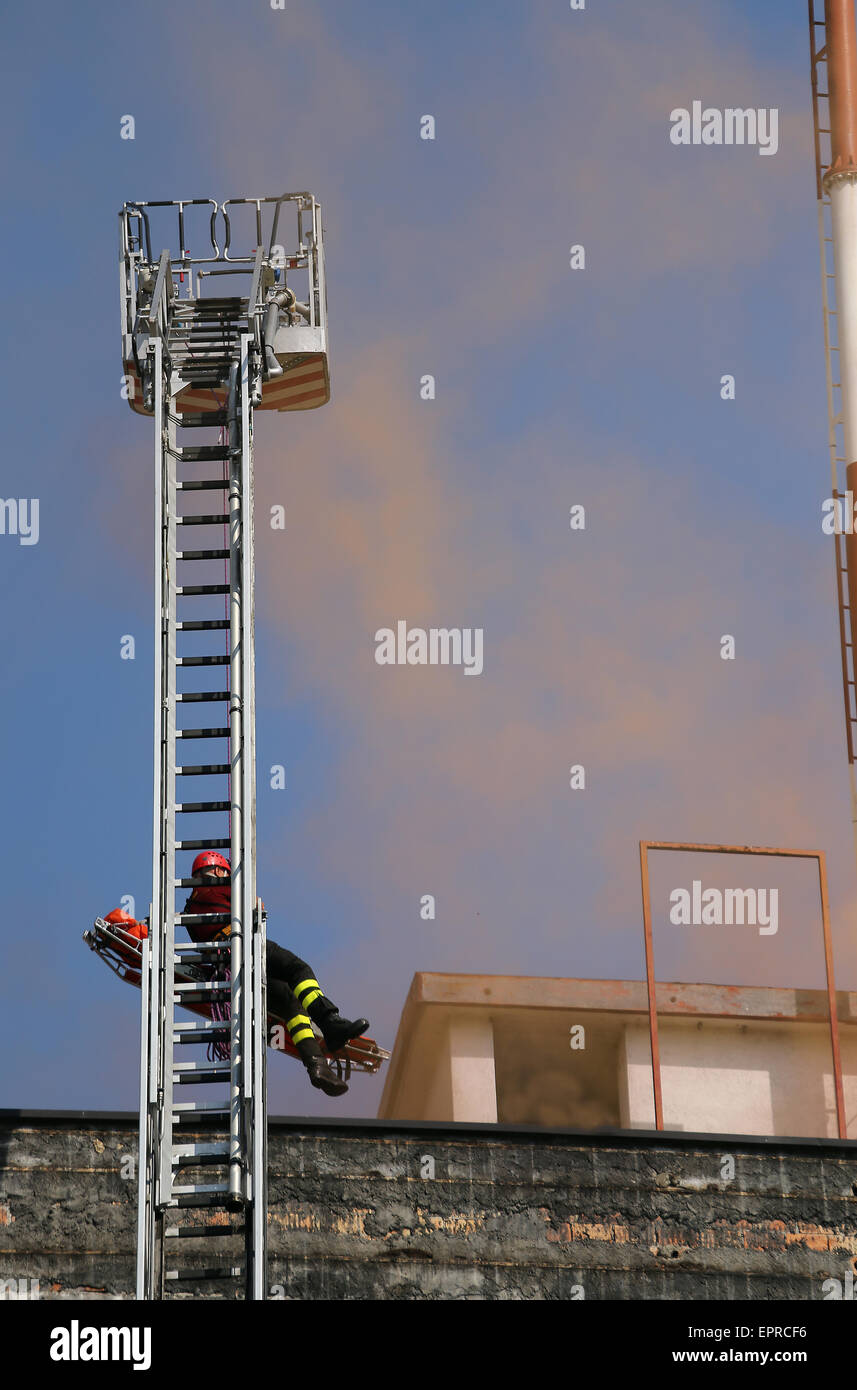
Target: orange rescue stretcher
[(121, 948)]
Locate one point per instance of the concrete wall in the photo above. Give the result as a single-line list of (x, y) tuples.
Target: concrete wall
[(376, 1210), (576, 1053), (720, 1076)]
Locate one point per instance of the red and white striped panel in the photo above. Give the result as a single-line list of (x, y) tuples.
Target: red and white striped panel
[(304, 387)]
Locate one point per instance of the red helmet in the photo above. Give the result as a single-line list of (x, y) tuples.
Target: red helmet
[(209, 860)]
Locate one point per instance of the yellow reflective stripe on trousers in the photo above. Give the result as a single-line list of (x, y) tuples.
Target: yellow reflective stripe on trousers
[(307, 992), (302, 1034)]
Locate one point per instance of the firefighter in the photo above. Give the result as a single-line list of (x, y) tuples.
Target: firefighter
[(293, 992)]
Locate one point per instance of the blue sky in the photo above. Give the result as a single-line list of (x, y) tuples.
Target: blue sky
[(554, 387)]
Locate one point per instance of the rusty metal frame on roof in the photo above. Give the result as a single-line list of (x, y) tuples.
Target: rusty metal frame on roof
[(818, 856)]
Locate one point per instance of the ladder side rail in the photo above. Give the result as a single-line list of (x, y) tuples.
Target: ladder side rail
[(145, 1194), (248, 605), (250, 533), (249, 1021), (248, 884), (257, 1108), (154, 1026), (168, 725), (257, 1261), (236, 646)]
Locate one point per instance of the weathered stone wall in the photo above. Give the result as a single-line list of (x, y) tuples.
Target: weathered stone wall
[(377, 1210)]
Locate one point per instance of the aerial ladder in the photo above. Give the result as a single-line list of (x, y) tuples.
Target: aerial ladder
[(200, 364)]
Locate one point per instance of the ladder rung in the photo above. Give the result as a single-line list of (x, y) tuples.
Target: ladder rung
[(203, 844), (235, 303), (192, 882), (185, 1029), (200, 953), (203, 769), (199, 312), (199, 344), (213, 1199), (185, 1110), (201, 484), (218, 1160), (204, 520), (200, 950), (210, 348), (192, 696), (201, 919), (203, 625), (222, 307), (202, 554), (214, 1073), (197, 1189), (194, 345), (203, 988), (222, 660), (207, 1149), (193, 310), (217, 732), (195, 589), (192, 339), (202, 342), (199, 453), (217, 350), (188, 808), (192, 1232), (214, 1161), (213, 359), (202, 419), (195, 1033), (227, 1272)]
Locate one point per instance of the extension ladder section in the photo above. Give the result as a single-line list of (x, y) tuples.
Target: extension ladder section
[(836, 441), (221, 1177)]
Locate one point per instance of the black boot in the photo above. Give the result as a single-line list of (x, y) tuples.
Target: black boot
[(319, 1070), (336, 1031), (324, 1078)]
